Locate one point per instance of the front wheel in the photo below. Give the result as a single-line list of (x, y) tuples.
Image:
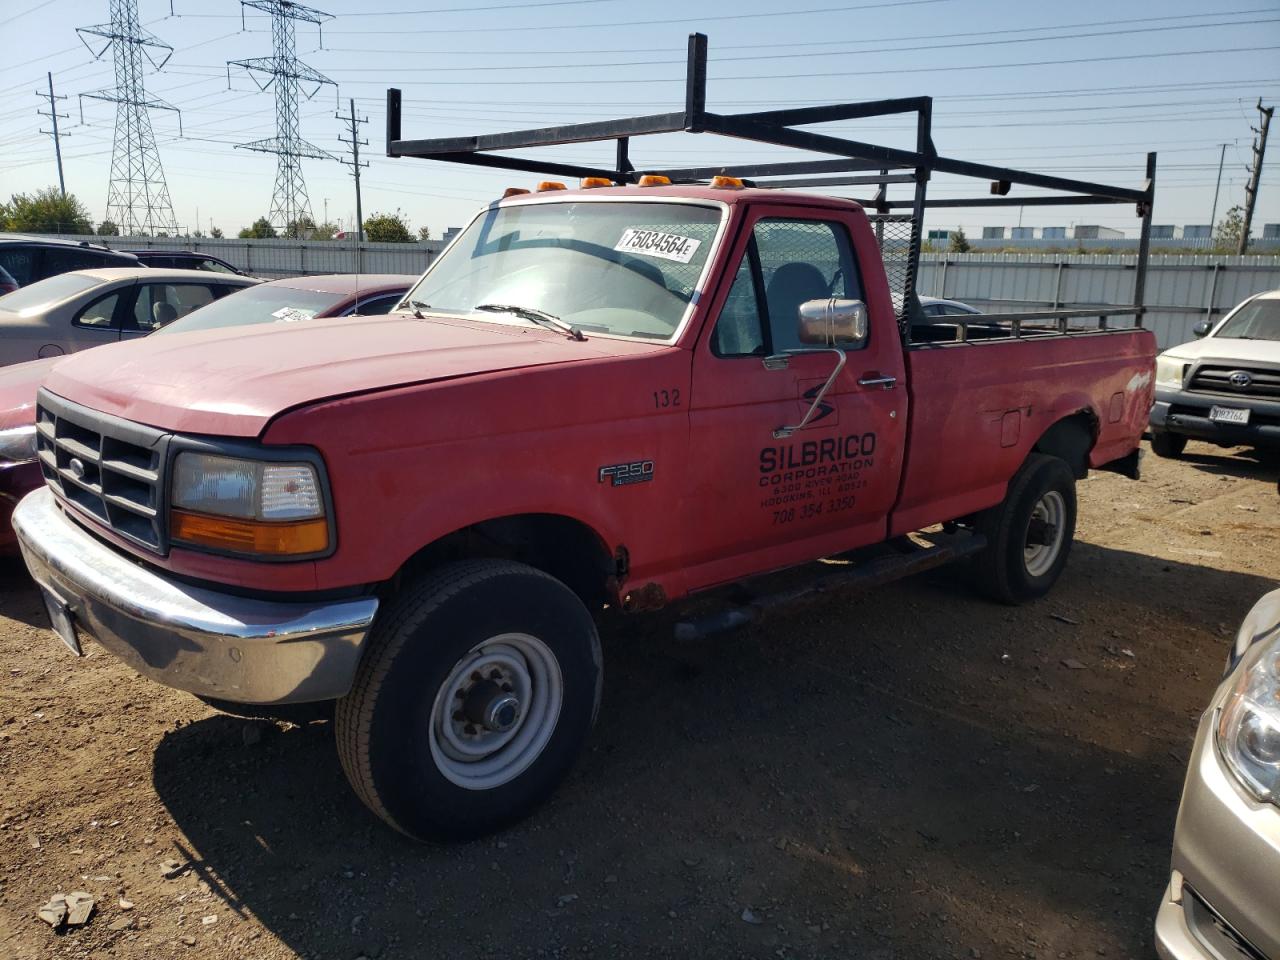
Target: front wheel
[(1167, 445), (477, 692), (1029, 534)]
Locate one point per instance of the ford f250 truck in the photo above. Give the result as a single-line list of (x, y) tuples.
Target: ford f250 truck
[(611, 396)]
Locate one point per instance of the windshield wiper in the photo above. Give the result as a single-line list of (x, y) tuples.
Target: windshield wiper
[(540, 317), (418, 307)]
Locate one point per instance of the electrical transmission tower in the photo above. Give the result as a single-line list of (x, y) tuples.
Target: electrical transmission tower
[(290, 206), (138, 197)]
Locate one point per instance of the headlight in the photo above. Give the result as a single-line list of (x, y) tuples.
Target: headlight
[(247, 506), (1249, 723), (1170, 371), (18, 444)]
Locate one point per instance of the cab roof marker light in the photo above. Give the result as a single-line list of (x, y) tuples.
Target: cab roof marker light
[(727, 183), (655, 180), (591, 183), (513, 192), (546, 185)]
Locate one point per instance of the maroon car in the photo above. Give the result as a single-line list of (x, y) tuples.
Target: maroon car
[(280, 301)]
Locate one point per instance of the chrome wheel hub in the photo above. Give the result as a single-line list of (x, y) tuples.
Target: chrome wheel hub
[(1046, 532)]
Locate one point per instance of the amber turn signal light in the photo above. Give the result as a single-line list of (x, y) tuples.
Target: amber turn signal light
[(270, 538), (655, 180)]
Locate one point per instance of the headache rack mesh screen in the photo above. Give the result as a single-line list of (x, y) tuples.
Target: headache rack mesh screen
[(893, 233)]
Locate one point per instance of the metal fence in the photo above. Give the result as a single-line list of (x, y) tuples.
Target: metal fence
[(1181, 290), (282, 257)]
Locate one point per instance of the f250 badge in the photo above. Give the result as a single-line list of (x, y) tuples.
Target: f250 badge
[(623, 474)]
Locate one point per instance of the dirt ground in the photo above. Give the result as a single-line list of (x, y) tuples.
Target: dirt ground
[(910, 773)]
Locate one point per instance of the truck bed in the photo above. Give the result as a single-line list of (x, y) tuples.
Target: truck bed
[(978, 408)]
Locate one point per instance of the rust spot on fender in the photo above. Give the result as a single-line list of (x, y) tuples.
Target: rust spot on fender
[(649, 597)]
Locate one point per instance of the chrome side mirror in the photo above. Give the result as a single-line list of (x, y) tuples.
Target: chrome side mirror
[(1202, 328), (833, 322)]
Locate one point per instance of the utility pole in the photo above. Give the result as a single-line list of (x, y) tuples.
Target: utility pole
[(353, 126), (53, 115), (1213, 217), (1255, 176)]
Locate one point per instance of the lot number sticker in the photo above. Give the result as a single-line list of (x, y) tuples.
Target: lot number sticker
[(655, 243)]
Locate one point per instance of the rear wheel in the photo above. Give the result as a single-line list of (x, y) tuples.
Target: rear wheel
[(1167, 445), (1029, 534), (477, 692)]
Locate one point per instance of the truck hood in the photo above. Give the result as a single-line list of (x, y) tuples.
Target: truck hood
[(232, 382), (1228, 350)]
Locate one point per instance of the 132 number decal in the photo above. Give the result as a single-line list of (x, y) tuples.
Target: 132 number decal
[(666, 398)]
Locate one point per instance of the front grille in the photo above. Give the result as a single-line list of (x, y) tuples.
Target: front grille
[(1262, 383), (108, 468)]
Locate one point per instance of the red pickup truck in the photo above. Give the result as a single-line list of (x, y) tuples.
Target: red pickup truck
[(608, 396)]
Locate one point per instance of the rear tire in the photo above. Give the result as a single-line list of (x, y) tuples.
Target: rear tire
[(1167, 445), (476, 694), (1029, 534)]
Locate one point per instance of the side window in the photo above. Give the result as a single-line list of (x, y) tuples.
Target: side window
[(19, 263), (101, 313), (159, 304), (213, 266), (739, 330), (64, 261), (795, 261), (802, 260)]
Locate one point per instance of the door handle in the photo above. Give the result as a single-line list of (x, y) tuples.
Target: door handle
[(886, 383)]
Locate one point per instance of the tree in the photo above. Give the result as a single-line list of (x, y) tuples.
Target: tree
[(387, 228), (424, 233), (1226, 235), (215, 232), (959, 242), (261, 230), (324, 231), (47, 211), (108, 229), (300, 229)]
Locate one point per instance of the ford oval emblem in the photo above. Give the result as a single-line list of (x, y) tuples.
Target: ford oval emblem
[(1240, 379), (76, 467)]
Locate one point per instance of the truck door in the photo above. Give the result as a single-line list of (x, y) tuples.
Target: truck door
[(760, 499)]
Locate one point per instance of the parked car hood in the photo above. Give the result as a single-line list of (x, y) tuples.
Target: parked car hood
[(18, 385), (1228, 349), (232, 382)]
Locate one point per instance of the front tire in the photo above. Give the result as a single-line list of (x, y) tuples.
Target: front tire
[(1029, 534), (1167, 445), (479, 687)]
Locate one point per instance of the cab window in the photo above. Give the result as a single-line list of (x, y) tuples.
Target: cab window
[(101, 313), (787, 263)]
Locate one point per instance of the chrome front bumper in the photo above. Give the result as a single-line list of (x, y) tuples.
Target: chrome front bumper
[(205, 642)]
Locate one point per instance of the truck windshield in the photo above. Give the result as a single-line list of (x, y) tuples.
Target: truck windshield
[(1256, 320), (628, 268)]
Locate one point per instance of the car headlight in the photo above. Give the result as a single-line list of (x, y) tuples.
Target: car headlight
[(1170, 371), (244, 506), (18, 444), (1248, 731)]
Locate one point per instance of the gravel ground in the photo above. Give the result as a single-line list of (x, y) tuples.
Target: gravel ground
[(910, 773)]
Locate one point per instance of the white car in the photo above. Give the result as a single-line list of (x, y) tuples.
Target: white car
[(87, 308), (1224, 388)]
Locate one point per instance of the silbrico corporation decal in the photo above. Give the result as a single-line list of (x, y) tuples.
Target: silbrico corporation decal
[(812, 477)]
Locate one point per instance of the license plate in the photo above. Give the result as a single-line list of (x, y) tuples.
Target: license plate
[(1228, 415), (60, 615)]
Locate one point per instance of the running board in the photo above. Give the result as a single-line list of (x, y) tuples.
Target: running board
[(874, 573)]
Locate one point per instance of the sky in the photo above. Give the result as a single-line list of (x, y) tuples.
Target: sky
[(1080, 90)]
